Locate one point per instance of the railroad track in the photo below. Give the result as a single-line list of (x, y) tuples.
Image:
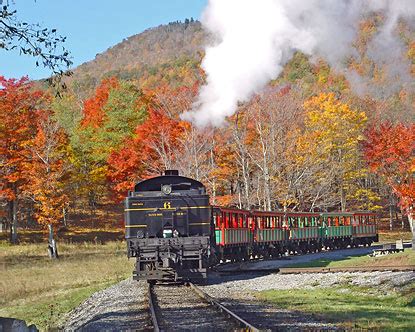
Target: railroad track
[(297, 270), (290, 270), (187, 307)]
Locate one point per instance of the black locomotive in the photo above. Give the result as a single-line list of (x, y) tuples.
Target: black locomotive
[(168, 228)]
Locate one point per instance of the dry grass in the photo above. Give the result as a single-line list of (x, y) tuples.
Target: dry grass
[(73, 234), (392, 236), (40, 290)]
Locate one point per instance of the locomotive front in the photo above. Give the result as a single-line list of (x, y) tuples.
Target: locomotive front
[(168, 228)]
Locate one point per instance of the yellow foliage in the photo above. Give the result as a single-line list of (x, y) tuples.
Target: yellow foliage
[(333, 124), (411, 52), (332, 135)]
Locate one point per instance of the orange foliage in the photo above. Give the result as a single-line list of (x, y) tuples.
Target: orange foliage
[(18, 102), (45, 171)]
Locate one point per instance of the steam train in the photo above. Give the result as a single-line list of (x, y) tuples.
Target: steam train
[(175, 234)]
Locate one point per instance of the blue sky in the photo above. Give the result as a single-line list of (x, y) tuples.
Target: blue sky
[(92, 26)]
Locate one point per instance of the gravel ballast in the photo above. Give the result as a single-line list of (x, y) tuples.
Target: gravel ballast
[(385, 280), (180, 308), (119, 307)]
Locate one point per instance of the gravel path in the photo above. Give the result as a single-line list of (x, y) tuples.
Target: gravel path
[(120, 307)]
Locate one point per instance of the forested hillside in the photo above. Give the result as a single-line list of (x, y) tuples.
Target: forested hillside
[(165, 54), (309, 141)]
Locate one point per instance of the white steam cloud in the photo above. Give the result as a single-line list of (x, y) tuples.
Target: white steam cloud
[(254, 39)]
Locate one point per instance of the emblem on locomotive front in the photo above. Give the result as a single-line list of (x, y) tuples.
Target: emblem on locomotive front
[(167, 205)]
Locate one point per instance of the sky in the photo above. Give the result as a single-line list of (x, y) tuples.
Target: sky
[(92, 26)]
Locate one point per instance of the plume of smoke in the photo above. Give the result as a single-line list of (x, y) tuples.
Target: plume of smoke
[(254, 39)]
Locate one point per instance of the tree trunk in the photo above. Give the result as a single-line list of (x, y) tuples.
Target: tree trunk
[(391, 204), (13, 226), (52, 248), (246, 184), (397, 219), (64, 217), (267, 191), (411, 221), (342, 199)]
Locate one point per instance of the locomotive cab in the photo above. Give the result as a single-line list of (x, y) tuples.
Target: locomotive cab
[(168, 228)]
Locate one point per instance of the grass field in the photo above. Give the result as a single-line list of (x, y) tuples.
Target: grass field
[(39, 290), (357, 308)]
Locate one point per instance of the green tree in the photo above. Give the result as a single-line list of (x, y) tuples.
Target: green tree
[(109, 118)]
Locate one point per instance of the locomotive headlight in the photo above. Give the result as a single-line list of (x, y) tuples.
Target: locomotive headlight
[(166, 189), (167, 233)]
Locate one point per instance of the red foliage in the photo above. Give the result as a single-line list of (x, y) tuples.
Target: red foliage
[(390, 152), (123, 169), (93, 113), (150, 151)]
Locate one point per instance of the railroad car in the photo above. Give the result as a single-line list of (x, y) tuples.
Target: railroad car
[(337, 229), (233, 234), (168, 228), (364, 228), (270, 233), (304, 232), (243, 234)]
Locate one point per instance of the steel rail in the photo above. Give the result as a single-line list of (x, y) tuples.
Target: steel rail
[(240, 321), (293, 270), (152, 308)]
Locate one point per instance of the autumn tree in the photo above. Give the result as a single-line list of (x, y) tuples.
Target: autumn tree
[(332, 135), (194, 152), (194, 148), (275, 116), (108, 118), (47, 172), (224, 174), (390, 153), (18, 105), (151, 150)]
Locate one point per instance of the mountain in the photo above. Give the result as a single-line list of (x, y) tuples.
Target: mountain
[(149, 57)]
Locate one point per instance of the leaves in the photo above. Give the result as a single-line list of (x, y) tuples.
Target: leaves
[(333, 132), (149, 152), (18, 104), (33, 151), (390, 152), (47, 170)]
